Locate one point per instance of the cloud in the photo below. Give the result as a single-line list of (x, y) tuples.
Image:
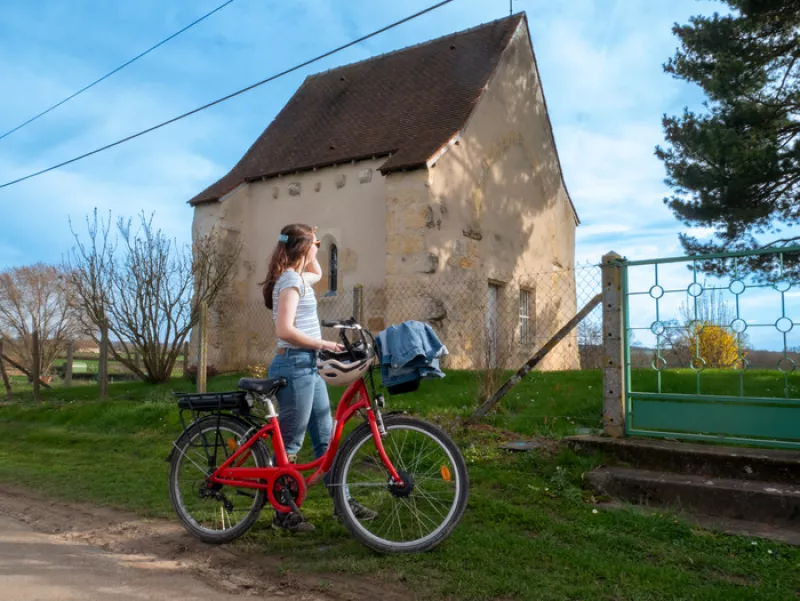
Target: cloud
[(601, 229)]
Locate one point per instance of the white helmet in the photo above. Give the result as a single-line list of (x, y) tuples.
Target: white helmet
[(342, 369)]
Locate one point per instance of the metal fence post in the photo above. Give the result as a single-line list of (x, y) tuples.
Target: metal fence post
[(203, 358), (613, 347), (358, 303), (68, 364), (102, 367)]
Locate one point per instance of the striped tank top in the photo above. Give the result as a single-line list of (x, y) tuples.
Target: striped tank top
[(306, 319)]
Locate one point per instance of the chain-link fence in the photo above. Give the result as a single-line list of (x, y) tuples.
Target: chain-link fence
[(485, 324)]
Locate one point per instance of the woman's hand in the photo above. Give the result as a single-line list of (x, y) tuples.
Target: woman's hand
[(332, 346)]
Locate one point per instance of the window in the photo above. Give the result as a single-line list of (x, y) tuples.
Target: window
[(333, 269), (524, 317)]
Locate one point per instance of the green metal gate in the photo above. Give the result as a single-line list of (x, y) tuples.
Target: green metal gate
[(672, 390)]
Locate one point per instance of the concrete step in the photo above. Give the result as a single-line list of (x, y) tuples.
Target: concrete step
[(709, 461), (773, 503)]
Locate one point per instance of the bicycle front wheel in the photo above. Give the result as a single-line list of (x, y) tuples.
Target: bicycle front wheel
[(416, 517), (212, 512)]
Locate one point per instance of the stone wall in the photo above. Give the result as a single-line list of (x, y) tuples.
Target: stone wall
[(491, 208)]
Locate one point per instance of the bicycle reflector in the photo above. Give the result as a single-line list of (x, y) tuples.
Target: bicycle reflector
[(232, 444), (445, 473)]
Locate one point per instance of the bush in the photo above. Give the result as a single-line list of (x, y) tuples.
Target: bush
[(718, 346)]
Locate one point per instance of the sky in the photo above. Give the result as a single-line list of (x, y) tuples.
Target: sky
[(600, 63)]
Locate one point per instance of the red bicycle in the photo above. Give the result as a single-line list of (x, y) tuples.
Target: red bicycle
[(407, 470)]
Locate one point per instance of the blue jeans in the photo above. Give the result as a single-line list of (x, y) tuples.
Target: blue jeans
[(303, 404)]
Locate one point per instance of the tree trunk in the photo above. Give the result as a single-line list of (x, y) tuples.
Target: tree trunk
[(102, 372), (68, 365), (3, 373), (37, 365)]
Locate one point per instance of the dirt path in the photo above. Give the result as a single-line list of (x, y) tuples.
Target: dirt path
[(52, 550), (41, 567)]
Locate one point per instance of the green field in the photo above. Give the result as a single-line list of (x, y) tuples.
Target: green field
[(530, 532)]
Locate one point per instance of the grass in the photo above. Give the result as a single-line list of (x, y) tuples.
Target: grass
[(530, 531), (756, 382)]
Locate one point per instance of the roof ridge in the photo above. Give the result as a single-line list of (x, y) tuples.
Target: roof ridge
[(520, 16)]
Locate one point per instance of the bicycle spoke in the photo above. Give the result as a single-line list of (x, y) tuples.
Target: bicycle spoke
[(417, 514), (402, 447), (422, 495), (399, 453), (202, 470), (421, 533), (416, 465)]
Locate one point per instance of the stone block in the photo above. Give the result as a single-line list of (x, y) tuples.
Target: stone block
[(433, 218), (432, 261), (404, 244), (415, 219), (295, 189), (365, 176), (473, 233), (427, 263)]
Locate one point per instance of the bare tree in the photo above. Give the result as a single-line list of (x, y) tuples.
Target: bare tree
[(675, 343), (708, 308), (36, 298), (590, 343), (147, 288), (501, 344)]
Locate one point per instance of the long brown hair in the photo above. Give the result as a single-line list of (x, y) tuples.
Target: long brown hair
[(294, 242)]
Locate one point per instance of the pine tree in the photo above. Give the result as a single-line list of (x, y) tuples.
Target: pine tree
[(735, 167)]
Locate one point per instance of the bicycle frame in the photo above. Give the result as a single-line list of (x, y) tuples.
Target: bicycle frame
[(230, 473)]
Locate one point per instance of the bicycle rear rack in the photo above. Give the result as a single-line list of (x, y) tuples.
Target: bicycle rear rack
[(237, 403)]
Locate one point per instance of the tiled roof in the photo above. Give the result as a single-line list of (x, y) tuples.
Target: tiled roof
[(405, 105)]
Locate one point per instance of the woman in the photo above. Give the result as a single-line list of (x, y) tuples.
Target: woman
[(303, 402)]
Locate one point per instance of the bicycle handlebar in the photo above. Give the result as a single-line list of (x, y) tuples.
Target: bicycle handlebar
[(348, 324)]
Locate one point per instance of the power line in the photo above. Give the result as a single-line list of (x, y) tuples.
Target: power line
[(109, 74), (233, 95)]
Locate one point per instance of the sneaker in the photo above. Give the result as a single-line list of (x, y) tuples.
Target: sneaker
[(362, 513), (291, 522)]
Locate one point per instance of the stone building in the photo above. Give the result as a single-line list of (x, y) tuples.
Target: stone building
[(433, 177)]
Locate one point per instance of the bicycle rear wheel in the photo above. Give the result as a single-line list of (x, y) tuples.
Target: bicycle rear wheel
[(212, 512), (423, 513)]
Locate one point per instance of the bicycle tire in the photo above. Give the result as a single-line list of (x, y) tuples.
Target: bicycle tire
[(209, 424), (363, 435)]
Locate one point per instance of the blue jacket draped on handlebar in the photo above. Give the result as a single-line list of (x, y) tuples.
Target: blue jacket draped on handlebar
[(409, 352)]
